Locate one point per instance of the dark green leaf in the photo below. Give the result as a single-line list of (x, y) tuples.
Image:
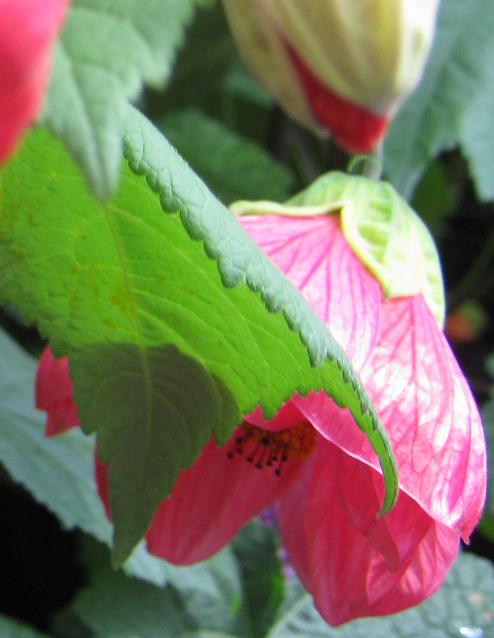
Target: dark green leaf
[(10, 628), (487, 522), (201, 66), (257, 547), (107, 50), (203, 598), (449, 106), (239, 82), (57, 471), (66, 624), (114, 285), (232, 166), (116, 606), (476, 138), (154, 430), (434, 200), (297, 617), (211, 592), (209, 76)]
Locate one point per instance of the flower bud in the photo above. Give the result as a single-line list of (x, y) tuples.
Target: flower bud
[(337, 66)]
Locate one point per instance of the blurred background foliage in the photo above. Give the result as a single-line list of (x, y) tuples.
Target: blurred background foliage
[(56, 577)]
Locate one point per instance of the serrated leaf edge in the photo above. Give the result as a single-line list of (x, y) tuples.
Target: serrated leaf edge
[(308, 327)]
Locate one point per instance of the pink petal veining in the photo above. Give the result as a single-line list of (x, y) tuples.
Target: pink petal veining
[(428, 411), (313, 253), (353, 563)]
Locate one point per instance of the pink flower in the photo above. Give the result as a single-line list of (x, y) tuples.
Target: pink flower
[(27, 31), (54, 393), (318, 469)]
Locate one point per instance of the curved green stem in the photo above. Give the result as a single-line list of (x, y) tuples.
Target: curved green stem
[(372, 164)]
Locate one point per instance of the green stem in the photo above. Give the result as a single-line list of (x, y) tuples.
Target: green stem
[(372, 164)]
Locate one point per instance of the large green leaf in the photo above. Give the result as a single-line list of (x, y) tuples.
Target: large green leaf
[(240, 83), (476, 139), (212, 599), (10, 628), (487, 523), (209, 76), (58, 471), (204, 598), (117, 606), (463, 608), (257, 549), (453, 103), (108, 48), (150, 318), (232, 166), (197, 80)]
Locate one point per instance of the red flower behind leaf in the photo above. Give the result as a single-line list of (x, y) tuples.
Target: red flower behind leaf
[(319, 470), (27, 31), (54, 393)]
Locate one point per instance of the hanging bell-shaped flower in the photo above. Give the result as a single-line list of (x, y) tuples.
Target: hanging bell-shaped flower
[(368, 266)]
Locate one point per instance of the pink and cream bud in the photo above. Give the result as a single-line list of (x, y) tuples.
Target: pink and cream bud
[(336, 66)]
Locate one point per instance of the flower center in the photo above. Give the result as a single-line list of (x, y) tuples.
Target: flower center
[(263, 448)]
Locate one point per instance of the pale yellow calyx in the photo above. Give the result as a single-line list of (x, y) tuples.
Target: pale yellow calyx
[(380, 227), (385, 233), (264, 207)]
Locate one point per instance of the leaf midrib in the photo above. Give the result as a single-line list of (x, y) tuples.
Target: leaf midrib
[(288, 615), (148, 423)]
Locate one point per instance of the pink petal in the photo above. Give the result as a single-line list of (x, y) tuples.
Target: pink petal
[(209, 503), (287, 416), (353, 563), (54, 393), (315, 256), (27, 30), (428, 410)]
